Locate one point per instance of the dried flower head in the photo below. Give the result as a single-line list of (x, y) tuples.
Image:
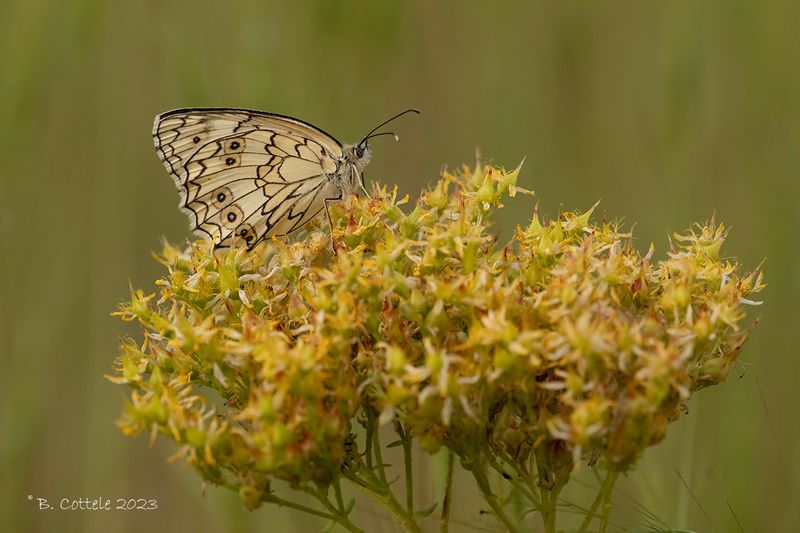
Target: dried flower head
[(565, 344)]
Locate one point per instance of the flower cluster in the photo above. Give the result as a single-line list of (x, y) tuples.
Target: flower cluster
[(564, 345)]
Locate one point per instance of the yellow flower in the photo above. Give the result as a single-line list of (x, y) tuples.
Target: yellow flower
[(565, 343)]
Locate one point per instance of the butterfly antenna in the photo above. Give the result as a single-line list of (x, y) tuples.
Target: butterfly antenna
[(396, 138), (376, 128)]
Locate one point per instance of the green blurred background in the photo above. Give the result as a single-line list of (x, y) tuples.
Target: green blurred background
[(667, 111)]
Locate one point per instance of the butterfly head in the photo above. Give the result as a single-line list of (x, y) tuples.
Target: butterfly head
[(356, 157), (359, 155)]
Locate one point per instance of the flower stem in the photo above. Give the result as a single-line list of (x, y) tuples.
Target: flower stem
[(300, 507), (603, 497), (406, 441), (383, 495), (370, 427), (523, 489), (335, 515), (548, 511), (376, 448), (373, 484), (337, 487), (483, 484), (376, 487), (549, 498), (611, 477), (448, 489)]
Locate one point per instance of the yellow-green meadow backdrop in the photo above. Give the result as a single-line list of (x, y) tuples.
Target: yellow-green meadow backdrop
[(669, 112)]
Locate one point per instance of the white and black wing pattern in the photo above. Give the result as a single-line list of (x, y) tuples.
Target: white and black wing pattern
[(247, 175)]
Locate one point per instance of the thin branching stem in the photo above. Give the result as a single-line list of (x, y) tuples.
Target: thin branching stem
[(337, 488), (608, 487), (368, 440), (298, 506), (384, 496), (523, 489), (282, 502), (603, 497), (448, 490), (373, 484), (321, 495), (407, 463), (376, 486), (478, 472), (376, 448), (548, 511), (549, 496)]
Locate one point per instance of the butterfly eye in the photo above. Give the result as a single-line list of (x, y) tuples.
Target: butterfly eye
[(359, 152), (234, 145), (247, 233), (231, 216), (220, 197)]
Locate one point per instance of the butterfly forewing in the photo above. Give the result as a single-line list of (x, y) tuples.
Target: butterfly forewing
[(247, 175)]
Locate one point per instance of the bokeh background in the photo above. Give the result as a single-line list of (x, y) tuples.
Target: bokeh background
[(669, 112)]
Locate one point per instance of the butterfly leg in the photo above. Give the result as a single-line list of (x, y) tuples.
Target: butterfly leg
[(328, 202), (362, 186)]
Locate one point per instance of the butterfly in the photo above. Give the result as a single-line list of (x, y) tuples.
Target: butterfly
[(244, 176)]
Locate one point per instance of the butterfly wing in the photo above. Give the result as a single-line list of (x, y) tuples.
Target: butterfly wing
[(247, 175)]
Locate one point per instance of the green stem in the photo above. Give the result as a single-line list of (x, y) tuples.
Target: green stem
[(611, 478), (297, 506), (549, 496), (376, 447), (523, 489), (408, 467), (592, 510), (602, 496), (368, 441), (525, 473), (448, 489), (372, 485), (376, 485), (553, 508), (385, 497), (381, 492), (337, 487), (272, 498), (483, 484), (335, 515), (548, 511)]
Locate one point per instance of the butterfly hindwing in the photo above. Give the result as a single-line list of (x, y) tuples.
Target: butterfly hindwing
[(288, 209), (245, 174)]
